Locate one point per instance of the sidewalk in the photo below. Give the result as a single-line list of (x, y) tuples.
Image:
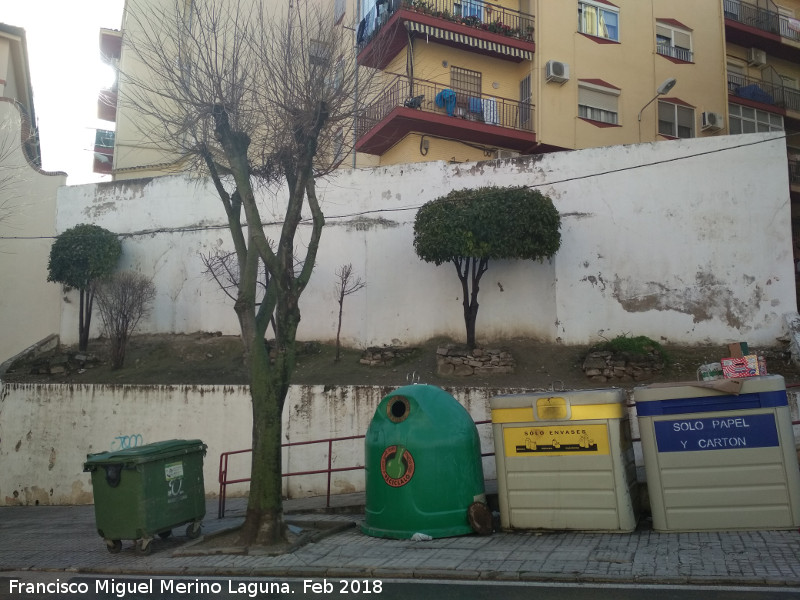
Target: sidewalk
[(63, 538)]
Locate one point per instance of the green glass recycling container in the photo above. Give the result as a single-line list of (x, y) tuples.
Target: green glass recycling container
[(147, 491), (424, 469)]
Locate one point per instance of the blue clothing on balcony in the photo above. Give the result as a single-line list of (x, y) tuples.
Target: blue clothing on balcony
[(755, 93), (475, 105), (447, 99)]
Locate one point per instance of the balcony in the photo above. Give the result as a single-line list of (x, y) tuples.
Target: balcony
[(107, 105), (676, 52), (762, 92), (103, 151), (478, 26), (794, 172), (434, 109), (750, 25)]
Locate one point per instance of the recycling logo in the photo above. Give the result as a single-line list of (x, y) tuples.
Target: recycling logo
[(397, 466)]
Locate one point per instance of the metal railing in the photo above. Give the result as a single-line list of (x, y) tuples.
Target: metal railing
[(224, 465), (481, 15), (794, 173), (675, 52), (761, 18), (431, 97), (758, 90)]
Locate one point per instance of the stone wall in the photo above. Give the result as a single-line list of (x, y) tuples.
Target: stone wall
[(458, 360)]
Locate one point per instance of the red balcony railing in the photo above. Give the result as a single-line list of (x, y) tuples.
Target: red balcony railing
[(482, 16), (470, 111)]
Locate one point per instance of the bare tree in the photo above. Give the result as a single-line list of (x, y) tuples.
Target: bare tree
[(253, 95), (123, 299), (346, 285)]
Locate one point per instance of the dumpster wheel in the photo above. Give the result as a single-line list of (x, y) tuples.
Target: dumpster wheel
[(480, 518), (193, 530), (114, 546), (143, 547)]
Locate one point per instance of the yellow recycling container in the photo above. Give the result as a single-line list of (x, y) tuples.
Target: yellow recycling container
[(719, 459), (565, 461)]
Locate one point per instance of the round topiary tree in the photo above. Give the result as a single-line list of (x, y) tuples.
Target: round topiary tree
[(79, 258), (470, 227)]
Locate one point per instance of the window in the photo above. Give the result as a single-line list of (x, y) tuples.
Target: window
[(674, 41), (736, 77), (338, 145), (339, 8), (318, 52), (468, 8), (467, 85), (744, 119), (599, 19), (525, 103), (465, 80), (675, 120), (335, 78), (598, 102)]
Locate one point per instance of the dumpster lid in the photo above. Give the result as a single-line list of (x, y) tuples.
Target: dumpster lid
[(572, 405), (696, 389), (573, 397), (146, 453)]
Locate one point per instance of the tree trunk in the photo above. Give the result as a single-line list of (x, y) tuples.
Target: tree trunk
[(470, 270), (339, 327), (85, 317), (264, 523)]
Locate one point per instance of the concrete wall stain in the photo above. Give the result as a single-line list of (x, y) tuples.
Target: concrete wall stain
[(367, 223), (707, 299)]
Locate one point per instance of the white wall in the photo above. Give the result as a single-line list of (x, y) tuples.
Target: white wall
[(29, 306), (685, 241), (47, 431)]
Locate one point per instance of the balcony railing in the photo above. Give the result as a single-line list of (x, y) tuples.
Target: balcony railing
[(675, 52), (794, 171), (764, 92), (431, 97), (482, 16), (761, 18)]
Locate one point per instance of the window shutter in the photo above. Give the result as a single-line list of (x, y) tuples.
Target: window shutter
[(597, 99), (682, 40)]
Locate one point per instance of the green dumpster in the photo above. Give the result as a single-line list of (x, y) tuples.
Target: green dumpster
[(424, 473), (147, 491)]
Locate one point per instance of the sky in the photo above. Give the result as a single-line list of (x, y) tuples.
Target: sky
[(66, 74)]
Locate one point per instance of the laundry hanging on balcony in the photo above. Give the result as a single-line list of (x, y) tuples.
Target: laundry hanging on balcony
[(490, 111), (447, 99)]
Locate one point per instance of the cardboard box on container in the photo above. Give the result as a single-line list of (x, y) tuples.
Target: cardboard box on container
[(745, 366)]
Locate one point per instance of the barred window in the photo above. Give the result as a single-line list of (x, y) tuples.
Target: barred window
[(465, 80)]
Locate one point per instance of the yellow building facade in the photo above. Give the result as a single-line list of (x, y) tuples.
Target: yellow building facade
[(465, 80), (563, 75)]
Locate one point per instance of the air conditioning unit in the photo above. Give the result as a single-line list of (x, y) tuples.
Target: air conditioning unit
[(556, 71), (712, 121), (507, 154), (756, 57)]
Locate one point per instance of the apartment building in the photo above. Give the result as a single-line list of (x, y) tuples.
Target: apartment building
[(465, 80), (762, 71), (15, 85), (470, 80)]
